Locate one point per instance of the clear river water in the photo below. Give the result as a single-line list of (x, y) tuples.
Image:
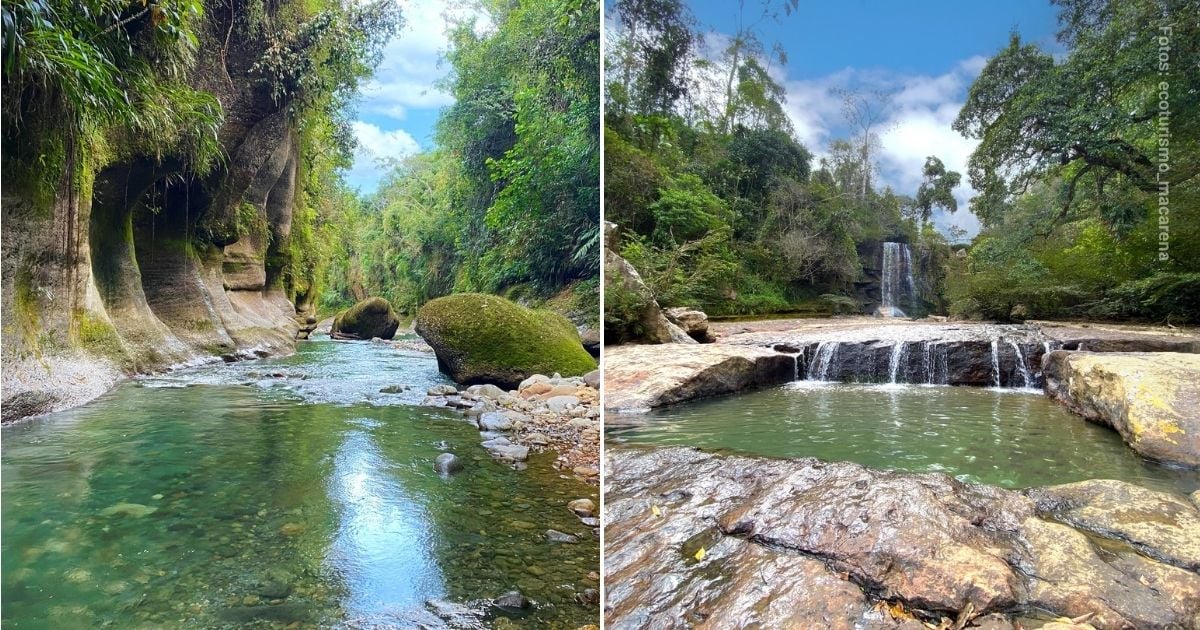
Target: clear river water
[(285, 492), (1011, 438)]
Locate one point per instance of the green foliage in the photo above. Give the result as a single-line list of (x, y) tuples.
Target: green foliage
[(252, 223), (685, 210), (526, 127), (937, 190), (1091, 118), (511, 196), (719, 205), (1066, 169), (110, 67), (658, 35)]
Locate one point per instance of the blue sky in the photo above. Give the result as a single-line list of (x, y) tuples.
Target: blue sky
[(926, 53), (399, 107)]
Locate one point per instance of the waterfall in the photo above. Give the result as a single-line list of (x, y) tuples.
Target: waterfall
[(896, 359), (818, 369), (1021, 367), (933, 363), (898, 287), (996, 362)]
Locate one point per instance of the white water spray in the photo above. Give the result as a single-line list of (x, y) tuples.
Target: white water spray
[(996, 361), (896, 359), (898, 287), (1027, 379)]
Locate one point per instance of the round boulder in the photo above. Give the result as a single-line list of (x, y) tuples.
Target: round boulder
[(481, 338), (370, 318), (447, 464)]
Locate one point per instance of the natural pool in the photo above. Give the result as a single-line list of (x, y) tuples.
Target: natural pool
[(205, 497), (1006, 437)]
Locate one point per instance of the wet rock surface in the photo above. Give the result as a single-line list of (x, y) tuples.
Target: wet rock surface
[(1151, 399), (858, 349), (644, 377), (702, 540)]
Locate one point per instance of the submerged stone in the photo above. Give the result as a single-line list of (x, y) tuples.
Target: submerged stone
[(447, 463), (131, 510)]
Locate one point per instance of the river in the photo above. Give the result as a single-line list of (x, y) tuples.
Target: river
[(282, 491)]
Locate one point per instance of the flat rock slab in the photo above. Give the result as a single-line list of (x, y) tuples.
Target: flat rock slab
[(639, 378), (1151, 398), (1119, 338), (694, 539)]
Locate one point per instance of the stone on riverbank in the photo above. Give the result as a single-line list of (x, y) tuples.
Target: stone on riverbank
[(1164, 527), (692, 321), (1150, 398), (644, 377), (633, 301), (829, 543), (481, 338), (370, 318)]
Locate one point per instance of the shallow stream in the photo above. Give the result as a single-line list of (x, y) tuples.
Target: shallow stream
[(276, 492)]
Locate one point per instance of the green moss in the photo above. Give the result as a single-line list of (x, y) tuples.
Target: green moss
[(372, 317), (251, 223), (99, 337), (491, 335)]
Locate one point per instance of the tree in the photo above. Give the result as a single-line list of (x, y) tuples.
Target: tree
[(937, 189), (658, 36), (743, 45), (865, 112), (1093, 118)]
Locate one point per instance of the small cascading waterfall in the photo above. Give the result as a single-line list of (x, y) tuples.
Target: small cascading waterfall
[(996, 361), (897, 279), (796, 364), (818, 368), (896, 360), (934, 363), (1022, 368), (849, 360)]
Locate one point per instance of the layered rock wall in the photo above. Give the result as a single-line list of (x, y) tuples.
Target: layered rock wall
[(140, 264)]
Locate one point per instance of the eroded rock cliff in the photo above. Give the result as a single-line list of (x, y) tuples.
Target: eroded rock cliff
[(138, 263)]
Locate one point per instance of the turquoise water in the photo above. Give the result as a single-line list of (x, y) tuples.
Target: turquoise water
[(280, 491), (1009, 438)]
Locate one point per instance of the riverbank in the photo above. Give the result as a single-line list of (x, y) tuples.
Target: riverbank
[(840, 545)]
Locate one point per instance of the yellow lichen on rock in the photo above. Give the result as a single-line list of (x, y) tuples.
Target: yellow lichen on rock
[(1151, 398)]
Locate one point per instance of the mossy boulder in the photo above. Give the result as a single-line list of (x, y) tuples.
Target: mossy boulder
[(487, 339), (372, 317)]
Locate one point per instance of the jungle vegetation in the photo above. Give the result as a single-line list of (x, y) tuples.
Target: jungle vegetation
[(721, 208), (509, 200), (718, 205)]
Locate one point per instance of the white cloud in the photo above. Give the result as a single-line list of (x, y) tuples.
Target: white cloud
[(412, 62), (376, 148), (923, 108), (406, 80)]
